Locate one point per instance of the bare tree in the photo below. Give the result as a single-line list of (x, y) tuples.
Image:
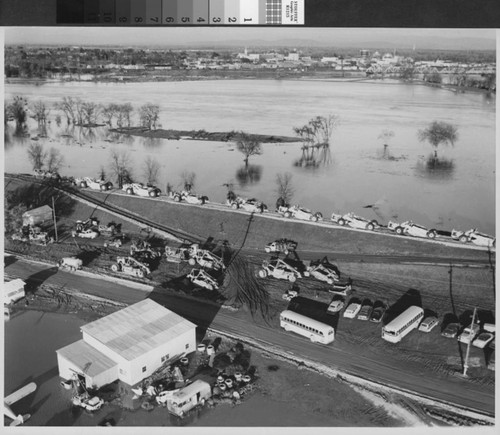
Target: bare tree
[(37, 155), (318, 131), (248, 145), (120, 167), (188, 179), (285, 188), (40, 112), (125, 111), (68, 106), (151, 170), (17, 110), (54, 160), (109, 111), (437, 133), (90, 112), (149, 115)]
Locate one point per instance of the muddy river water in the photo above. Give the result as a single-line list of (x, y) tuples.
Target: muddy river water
[(353, 173)]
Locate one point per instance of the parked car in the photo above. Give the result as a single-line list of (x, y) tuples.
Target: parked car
[(473, 236), (428, 324), (354, 221), (366, 311), (468, 334), (301, 213), (335, 306), (451, 330), (352, 310), (377, 313), (483, 339), (409, 228), (321, 272)]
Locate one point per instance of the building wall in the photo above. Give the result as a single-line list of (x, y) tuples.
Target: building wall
[(152, 360), (67, 369)]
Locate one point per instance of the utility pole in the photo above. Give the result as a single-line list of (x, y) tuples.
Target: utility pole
[(54, 217), (470, 341)]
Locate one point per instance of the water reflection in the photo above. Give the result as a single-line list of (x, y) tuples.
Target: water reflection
[(150, 142), (435, 168), (248, 174), (314, 156)]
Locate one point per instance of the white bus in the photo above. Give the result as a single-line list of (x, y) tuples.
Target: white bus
[(403, 324), (316, 331)]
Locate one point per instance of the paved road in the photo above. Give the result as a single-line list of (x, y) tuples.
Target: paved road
[(352, 359)]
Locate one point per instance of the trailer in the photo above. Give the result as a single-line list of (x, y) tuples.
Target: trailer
[(189, 397)]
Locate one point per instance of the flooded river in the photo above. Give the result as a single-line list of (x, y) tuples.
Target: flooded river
[(353, 173)]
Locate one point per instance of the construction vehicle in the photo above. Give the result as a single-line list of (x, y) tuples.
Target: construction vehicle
[(301, 213), (143, 248), (94, 184), (176, 255), (279, 269), (140, 189), (29, 233), (189, 197), (322, 271), (203, 279), (109, 230), (130, 266), (205, 258), (281, 245)]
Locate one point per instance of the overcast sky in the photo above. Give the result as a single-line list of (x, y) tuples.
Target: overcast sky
[(422, 38)]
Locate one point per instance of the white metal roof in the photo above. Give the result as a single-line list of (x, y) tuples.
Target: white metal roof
[(86, 359), (137, 329), (13, 285)]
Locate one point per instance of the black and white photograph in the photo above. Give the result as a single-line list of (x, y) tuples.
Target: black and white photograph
[(249, 227)]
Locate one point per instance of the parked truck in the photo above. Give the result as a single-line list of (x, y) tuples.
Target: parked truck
[(71, 263)]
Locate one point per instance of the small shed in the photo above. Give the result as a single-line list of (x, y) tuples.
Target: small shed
[(37, 216), (13, 291)]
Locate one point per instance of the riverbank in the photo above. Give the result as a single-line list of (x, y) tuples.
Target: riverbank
[(231, 136)]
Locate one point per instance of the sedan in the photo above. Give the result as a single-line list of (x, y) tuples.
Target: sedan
[(365, 312), (335, 307), (451, 330), (352, 310), (483, 339), (377, 314)]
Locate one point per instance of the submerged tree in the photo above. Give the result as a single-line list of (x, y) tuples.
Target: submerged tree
[(149, 115), (37, 155), (54, 160), (18, 111), (151, 170), (318, 130), (120, 167), (284, 189), (188, 178), (437, 133), (248, 145), (40, 112)]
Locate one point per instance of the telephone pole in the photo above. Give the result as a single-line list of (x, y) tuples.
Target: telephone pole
[(469, 343), (54, 217)]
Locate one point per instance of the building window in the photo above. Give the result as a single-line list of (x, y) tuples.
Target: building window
[(122, 372), (143, 369), (187, 346)]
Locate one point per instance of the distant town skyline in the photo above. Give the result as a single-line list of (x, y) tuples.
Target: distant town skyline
[(450, 39)]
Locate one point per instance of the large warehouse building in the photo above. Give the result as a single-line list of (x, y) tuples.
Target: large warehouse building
[(128, 345)]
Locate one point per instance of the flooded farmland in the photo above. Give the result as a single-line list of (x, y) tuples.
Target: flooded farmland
[(353, 173)]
